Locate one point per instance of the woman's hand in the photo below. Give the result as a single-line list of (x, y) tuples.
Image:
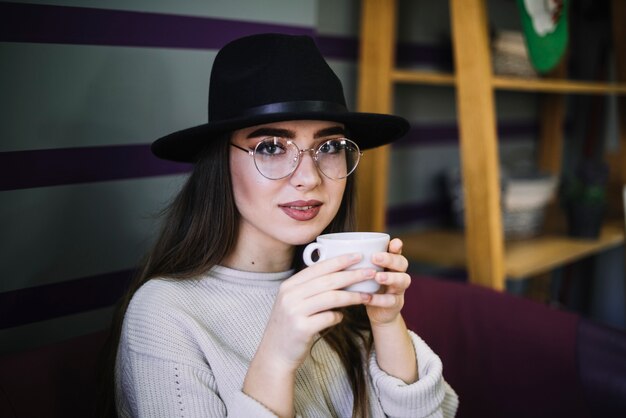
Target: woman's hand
[(385, 306), (394, 350), (305, 305)]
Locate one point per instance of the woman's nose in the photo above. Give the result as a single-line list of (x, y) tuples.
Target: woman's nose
[(306, 174)]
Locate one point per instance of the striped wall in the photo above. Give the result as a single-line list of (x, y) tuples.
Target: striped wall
[(87, 86)]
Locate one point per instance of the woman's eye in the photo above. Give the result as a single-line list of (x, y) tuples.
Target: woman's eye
[(331, 147), (271, 148)]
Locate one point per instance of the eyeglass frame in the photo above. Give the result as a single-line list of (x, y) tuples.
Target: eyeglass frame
[(315, 150)]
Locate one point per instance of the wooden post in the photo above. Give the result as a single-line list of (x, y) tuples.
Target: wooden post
[(619, 41), (550, 146), (377, 55), (550, 143), (479, 148)]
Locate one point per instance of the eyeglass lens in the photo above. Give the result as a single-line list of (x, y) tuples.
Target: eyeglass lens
[(276, 157)]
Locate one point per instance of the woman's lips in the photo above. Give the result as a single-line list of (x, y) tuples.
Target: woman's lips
[(302, 210)]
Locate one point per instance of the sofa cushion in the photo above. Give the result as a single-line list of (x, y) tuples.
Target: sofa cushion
[(58, 380), (506, 356)]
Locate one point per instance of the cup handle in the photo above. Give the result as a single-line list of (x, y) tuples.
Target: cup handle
[(308, 252)]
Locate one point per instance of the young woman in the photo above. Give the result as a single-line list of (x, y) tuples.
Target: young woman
[(225, 320)]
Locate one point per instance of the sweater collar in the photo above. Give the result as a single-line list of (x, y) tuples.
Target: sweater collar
[(249, 278)]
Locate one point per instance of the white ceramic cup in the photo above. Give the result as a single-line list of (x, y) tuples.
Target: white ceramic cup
[(366, 243)]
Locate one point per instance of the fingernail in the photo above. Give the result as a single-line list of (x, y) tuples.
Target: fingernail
[(382, 277), (369, 273), (366, 297), (378, 257), (355, 256)]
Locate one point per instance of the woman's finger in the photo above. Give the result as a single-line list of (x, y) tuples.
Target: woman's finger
[(395, 246), (395, 282), (332, 300), (323, 320), (332, 281), (321, 268), (386, 300), (390, 261)]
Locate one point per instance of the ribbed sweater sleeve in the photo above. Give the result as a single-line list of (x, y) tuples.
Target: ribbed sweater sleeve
[(429, 397)]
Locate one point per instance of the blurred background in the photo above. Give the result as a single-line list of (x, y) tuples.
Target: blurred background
[(86, 86)]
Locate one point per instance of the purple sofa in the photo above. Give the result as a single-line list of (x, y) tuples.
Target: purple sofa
[(507, 356), (504, 355)]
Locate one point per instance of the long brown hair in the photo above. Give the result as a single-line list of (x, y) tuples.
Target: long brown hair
[(199, 230)]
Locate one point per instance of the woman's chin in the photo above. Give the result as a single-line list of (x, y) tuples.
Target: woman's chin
[(302, 237)]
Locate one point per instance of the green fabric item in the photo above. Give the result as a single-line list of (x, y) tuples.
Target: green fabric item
[(546, 40)]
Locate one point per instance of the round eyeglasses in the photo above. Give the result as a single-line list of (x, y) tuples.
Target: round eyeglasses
[(276, 158)]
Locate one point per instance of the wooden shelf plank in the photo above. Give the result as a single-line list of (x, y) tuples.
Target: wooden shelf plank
[(523, 259), (557, 86), (542, 254), (423, 77), (444, 248), (536, 85)]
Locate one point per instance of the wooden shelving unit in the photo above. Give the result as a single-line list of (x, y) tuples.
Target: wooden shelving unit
[(481, 248), (523, 259)]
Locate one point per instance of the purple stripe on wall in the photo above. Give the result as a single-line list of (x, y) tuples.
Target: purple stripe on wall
[(407, 53), (413, 212), (81, 25), (92, 26), (413, 54), (446, 134), (51, 167), (24, 306), (338, 47)]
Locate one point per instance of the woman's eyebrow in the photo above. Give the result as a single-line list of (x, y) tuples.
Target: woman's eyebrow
[(284, 133), (287, 133), (333, 130)]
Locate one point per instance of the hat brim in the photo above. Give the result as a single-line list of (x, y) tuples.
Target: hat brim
[(368, 130)]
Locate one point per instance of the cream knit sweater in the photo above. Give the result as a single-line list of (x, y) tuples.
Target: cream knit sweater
[(186, 346)]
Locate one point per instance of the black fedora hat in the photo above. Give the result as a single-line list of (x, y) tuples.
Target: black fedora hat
[(267, 78)]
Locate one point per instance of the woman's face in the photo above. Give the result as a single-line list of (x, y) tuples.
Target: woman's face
[(292, 210)]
